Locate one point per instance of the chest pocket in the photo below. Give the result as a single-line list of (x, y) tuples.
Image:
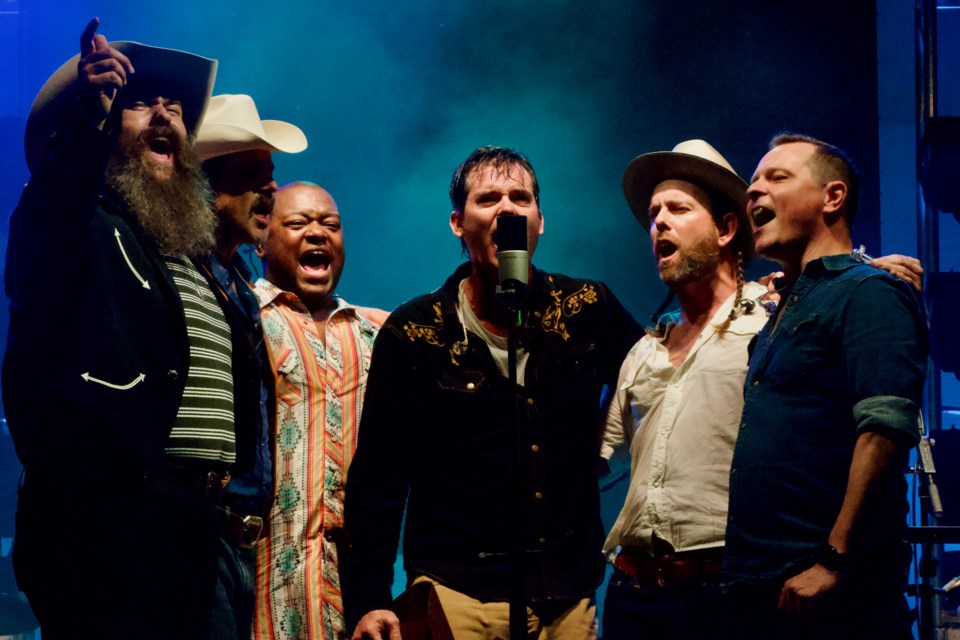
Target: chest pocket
[(805, 355), (571, 364), (462, 382)]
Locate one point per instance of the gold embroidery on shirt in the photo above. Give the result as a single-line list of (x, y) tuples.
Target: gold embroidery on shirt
[(567, 307), (430, 335)]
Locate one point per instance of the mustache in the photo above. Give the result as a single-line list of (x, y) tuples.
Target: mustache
[(263, 204), (164, 136)]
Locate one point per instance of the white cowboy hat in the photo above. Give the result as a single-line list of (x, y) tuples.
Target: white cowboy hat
[(694, 161), (184, 76), (232, 124)]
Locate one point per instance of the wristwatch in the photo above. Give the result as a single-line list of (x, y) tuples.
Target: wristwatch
[(828, 556)]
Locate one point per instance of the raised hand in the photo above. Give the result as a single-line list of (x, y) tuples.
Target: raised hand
[(102, 71)]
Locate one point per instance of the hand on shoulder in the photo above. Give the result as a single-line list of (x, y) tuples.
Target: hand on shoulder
[(374, 316)]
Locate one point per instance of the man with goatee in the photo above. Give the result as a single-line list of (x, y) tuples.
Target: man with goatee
[(235, 146), (118, 377)]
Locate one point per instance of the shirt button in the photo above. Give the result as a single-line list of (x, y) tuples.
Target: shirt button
[(794, 298), (538, 495), (471, 386), (530, 401), (756, 383), (535, 448), (542, 541), (743, 425)]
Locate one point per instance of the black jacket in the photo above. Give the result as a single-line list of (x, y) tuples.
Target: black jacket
[(437, 423), (97, 352)]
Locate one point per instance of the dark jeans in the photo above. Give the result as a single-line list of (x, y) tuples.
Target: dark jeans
[(634, 611), (232, 615), (127, 563), (869, 605)]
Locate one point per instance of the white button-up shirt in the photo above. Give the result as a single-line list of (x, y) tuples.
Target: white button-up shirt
[(681, 425)]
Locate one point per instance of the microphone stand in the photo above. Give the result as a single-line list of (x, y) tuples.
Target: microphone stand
[(932, 510), (511, 293)]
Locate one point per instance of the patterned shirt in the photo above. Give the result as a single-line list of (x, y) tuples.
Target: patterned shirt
[(320, 386), (204, 426)]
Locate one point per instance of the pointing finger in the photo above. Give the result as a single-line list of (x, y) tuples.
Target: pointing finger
[(86, 38)]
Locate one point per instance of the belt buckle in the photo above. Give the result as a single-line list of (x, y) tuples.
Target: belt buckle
[(659, 575), (250, 529), (673, 571), (212, 487)]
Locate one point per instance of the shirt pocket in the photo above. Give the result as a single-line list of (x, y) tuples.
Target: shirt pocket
[(805, 357), (571, 366)]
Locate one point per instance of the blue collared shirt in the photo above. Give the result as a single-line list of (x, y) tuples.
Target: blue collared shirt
[(848, 356), (250, 488)]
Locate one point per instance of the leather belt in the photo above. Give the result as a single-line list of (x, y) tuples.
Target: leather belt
[(672, 569), (240, 530), (209, 484)]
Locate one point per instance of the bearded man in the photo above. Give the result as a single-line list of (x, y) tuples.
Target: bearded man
[(236, 147), (677, 400), (118, 386)]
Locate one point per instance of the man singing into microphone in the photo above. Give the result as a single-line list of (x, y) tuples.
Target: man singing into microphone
[(437, 432)]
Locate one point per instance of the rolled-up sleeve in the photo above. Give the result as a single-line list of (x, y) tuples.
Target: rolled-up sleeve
[(886, 344)]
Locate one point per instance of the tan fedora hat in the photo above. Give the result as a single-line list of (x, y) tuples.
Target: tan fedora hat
[(170, 73), (232, 124), (694, 161)]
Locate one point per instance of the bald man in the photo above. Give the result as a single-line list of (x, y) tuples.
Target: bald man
[(319, 348)]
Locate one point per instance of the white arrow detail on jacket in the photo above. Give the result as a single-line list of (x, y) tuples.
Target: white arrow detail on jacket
[(116, 233), (122, 387)]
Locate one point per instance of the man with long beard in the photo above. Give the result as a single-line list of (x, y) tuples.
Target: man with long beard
[(118, 377)]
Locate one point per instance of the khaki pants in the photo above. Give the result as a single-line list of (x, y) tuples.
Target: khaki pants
[(472, 619)]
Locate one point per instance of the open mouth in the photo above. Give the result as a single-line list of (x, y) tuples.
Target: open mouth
[(261, 210), (761, 216), (161, 149), (315, 262), (664, 249)]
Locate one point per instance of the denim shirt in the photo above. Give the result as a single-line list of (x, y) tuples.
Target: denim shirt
[(437, 426), (250, 489), (848, 356)]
